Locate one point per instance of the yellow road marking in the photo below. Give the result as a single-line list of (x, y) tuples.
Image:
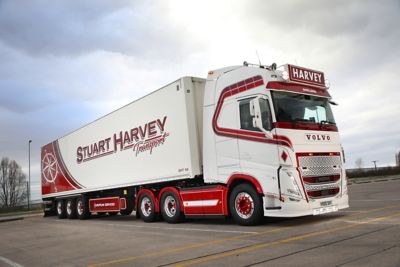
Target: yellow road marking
[(281, 241), (186, 247), (219, 241)]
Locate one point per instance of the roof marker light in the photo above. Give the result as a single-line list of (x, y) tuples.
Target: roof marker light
[(285, 75), (327, 84)]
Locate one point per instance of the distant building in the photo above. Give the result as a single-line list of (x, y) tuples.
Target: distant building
[(398, 159)]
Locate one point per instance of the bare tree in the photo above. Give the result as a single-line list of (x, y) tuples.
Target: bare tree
[(359, 163), (12, 183)]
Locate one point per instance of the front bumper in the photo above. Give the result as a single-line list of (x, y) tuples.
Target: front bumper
[(297, 208)]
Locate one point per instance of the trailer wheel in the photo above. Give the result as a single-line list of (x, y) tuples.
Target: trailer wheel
[(82, 208), (61, 209), (170, 208), (146, 208), (70, 208), (245, 205)]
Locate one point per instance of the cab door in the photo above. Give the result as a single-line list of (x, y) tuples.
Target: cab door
[(258, 152), (227, 146)]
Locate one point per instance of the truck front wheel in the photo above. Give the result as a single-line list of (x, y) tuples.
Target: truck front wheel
[(245, 205), (170, 208), (146, 208)]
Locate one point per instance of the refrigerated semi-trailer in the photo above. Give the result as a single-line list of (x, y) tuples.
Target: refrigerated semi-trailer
[(249, 141)]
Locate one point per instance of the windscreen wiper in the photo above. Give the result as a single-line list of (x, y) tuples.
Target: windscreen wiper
[(324, 122), (296, 120), (327, 122)]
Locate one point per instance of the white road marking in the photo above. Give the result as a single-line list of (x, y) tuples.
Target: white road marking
[(372, 200), (392, 221), (166, 228), (10, 262), (350, 211), (181, 229)]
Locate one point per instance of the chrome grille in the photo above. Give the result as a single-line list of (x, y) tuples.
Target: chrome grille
[(319, 165)]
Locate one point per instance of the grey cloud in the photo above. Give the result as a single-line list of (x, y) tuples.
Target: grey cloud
[(22, 97), (72, 28), (328, 18)]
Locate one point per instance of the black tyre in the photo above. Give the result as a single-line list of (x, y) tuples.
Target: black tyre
[(245, 205), (171, 210), (70, 208), (82, 208), (146, 208), (61, 213), (129, 207)]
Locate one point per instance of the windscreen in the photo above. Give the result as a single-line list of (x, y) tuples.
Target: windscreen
[(291, 107)]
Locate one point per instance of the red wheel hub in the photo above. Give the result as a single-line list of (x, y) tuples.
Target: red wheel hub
[(244, 205)]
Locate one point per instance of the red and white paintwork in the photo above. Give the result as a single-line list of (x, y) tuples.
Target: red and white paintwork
[(107, 204), (191, 127)]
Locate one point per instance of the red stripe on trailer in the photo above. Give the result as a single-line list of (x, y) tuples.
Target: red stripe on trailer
[(232, 90), (154, 197), (67, 175), (107, 204), (53, 172)]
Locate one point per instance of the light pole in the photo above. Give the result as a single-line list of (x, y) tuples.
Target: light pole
[(29, 173), (374, 161)]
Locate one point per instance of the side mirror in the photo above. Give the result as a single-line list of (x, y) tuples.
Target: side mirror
[(255, 112)]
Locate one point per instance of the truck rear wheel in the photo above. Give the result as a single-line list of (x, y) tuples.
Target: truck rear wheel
[(70, 208), (61, 213), (245, 205), (82, 208), (146, 208), (170, 208)]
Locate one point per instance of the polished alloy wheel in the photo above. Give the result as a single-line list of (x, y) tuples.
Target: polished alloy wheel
[(59, 207), (170, 206), (146, 206), (244, 205), (79, 207)]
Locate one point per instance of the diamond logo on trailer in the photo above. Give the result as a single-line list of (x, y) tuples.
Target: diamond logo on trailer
[(49, 168)]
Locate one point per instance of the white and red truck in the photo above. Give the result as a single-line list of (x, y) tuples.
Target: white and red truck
[(249, 141)]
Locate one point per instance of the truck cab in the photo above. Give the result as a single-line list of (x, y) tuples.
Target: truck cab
[(274, 129)]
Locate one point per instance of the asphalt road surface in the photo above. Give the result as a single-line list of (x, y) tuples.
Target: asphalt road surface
[(366, 234)]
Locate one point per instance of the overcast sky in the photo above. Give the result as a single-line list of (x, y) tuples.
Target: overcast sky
[(66, 63)]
